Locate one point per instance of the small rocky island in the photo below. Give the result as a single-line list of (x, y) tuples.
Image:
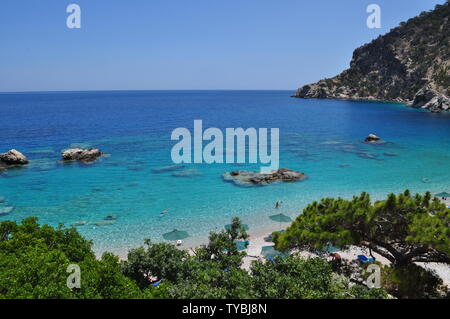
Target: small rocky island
[(12, 158), (251, 178), (82, 155), (410, 64), (372, 138)]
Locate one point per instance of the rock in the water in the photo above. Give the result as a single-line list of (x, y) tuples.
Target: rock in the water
[(371, 138), (83, 155), (80, 223), (187, 173), (13, 157), (369, 156), (6, 210), (249, 178), (104, 223), (111, 217), (165, 169), (390, 154)]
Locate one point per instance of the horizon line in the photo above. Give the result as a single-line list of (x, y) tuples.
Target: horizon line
[(140, 90)]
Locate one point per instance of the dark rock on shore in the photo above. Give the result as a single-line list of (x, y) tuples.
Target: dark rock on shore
[(249, 178), (82, 155), (13, 157), (410, 64), (428, 98)]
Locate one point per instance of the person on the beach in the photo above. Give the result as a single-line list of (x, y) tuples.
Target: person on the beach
[(277, 204)]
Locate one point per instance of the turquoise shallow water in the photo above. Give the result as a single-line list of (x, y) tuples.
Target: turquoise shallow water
[(319, 137)]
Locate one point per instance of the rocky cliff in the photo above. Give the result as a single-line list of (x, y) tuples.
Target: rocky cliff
[(409, 64)]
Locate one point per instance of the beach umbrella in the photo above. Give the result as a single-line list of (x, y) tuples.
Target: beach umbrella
[(245, 226), (269, 252), (281, 218), (241, 245), (175, 235), (444, 194)]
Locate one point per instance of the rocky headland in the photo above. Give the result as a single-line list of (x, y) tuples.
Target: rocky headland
[(410, 64)]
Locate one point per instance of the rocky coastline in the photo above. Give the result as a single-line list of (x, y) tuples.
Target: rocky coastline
[(410, 64)]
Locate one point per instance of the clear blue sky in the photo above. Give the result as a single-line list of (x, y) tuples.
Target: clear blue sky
[(181, 44)]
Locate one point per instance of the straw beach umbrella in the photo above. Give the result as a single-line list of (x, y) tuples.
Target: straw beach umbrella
[(245, 226), (281, 218), (269, 252), (443, 194), (175, 235)]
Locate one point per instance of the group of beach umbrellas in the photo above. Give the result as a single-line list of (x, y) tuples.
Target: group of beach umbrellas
[(443, 195), (181, 234)]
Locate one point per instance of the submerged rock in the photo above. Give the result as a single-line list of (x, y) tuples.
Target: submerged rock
[(165, 169), (80, 223), (249, 178), (111, 217), (6, 210), (13, 157), (187, 173), (390, 154), (372, 138), (83, 155), (104, 223), (136, 168), (369, 156)]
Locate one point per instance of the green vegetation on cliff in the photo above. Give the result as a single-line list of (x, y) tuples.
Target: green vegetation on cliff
[(411, 64)]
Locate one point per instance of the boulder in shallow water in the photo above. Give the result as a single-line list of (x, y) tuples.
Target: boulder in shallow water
[(80, 223), (165, 169), (6, 210), (249, 178), (104, 223), (187, 173), (390, 154), (111, 217), (372, 138), (369, 156), (13, 157), (83, 155)]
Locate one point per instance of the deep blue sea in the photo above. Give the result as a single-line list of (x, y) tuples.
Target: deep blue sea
[(322, 138)]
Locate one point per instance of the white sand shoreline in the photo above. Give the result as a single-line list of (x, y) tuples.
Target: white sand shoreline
[(257, 242)]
